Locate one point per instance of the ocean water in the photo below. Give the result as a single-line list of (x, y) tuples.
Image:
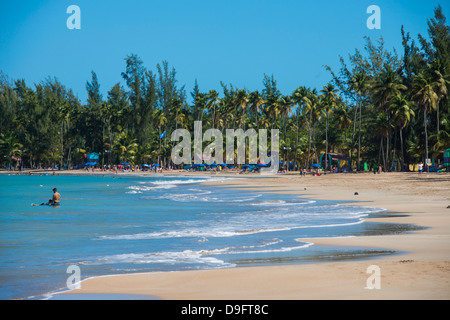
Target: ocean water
[(122, 224)]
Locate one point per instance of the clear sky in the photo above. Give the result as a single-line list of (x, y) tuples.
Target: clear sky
[(236, 42)]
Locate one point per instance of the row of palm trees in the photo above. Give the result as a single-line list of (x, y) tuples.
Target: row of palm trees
[(298, 116)]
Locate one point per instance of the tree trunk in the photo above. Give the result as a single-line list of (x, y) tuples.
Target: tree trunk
[(402, 153), (385, 161), (359, 139), (326, 144), (437, 116), (393, 149), (296, 147), (309, 144), (314, 144), (353, 139), (110, 141), (62, 144), (426, 133)]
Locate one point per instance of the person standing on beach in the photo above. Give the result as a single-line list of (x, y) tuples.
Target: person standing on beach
[(420, 167)]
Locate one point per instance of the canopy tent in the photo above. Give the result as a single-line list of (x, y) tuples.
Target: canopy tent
[(447, 157), (337, 157), (91, 159)]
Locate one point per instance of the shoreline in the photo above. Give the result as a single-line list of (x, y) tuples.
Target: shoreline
[(421, 270)]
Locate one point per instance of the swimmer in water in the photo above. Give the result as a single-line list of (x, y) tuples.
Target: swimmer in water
[(54, 201)]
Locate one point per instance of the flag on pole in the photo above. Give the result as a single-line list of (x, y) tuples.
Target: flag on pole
[(162, 135)]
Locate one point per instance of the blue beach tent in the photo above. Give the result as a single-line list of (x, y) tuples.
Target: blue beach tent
[(262, 165)]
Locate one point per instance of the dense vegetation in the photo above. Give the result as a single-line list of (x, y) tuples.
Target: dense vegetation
[(379, 107)]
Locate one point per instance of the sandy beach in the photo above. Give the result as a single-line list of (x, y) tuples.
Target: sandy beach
[(420, 271)]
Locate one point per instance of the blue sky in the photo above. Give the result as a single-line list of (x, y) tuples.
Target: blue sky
[(236, 42)]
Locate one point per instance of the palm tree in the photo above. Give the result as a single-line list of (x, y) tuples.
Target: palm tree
[(285, 104), (359, 83), (181, 118), (442, 141), (241, 101), (329, 99), (314, 117), (107, 113), (161, 121), (63, 115), (200, 104), (298, 97), (126, 147), (212, 102), (308, 111), (426, 98), (223, 114), (439, 84), (402, 116), (384, 88), (273, 109), (256, 101), (175, 109), (344, 121), (265, 122), (10, 148), (383, 129)]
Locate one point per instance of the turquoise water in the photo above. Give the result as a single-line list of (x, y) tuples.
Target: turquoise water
[(109, 225)]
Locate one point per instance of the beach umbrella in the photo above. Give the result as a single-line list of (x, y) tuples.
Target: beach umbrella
[(199, 165), (315, 165), (245, 166), (223, 164), (145, 165), (156, 165), (125, 164)]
